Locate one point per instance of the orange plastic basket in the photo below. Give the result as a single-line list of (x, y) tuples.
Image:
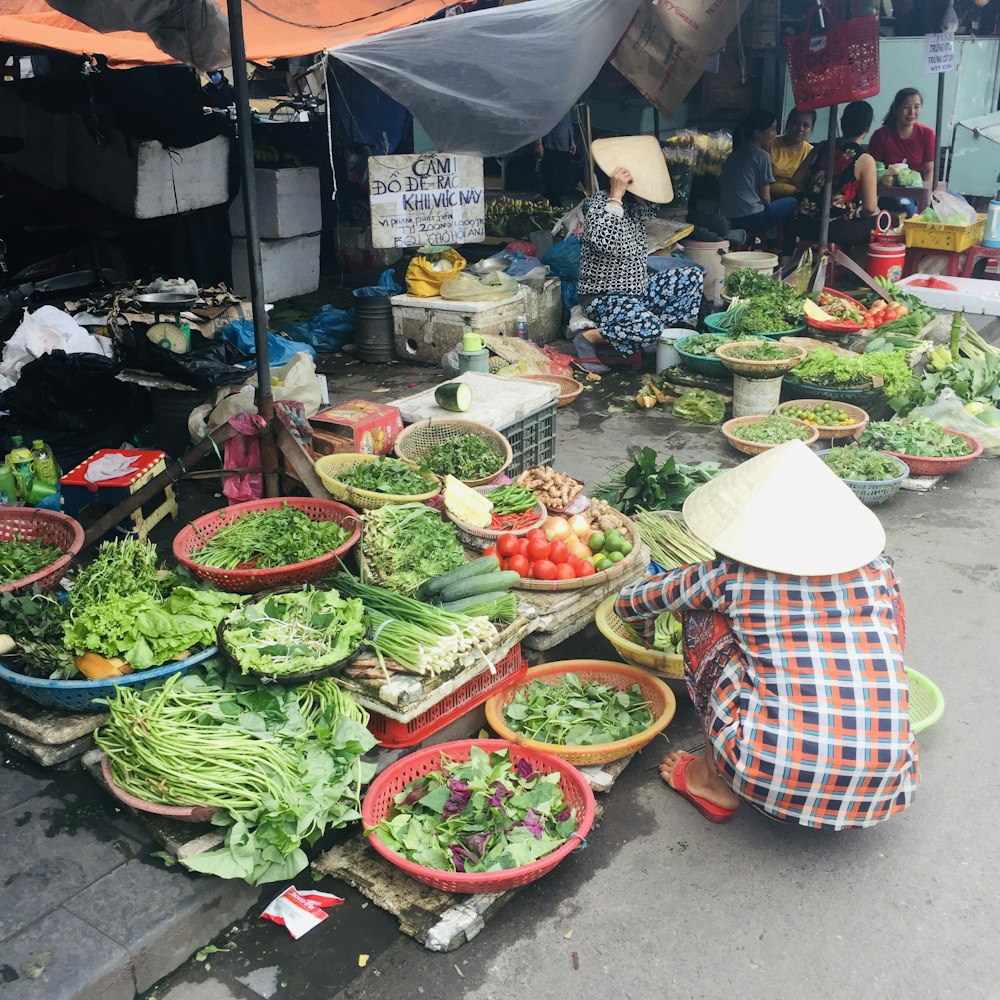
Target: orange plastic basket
[(50, 527), (620, 675)]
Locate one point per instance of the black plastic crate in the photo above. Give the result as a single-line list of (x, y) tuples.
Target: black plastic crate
[(532, 439)]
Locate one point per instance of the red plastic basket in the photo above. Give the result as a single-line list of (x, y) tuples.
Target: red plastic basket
[(379, 800), (921, 466), (46, 526), (248, 580), (392, 733), (836, 67)]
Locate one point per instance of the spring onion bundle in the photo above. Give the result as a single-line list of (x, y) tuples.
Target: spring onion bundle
[(670, 543)]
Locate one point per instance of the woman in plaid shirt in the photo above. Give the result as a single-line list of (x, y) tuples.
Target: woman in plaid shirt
[(793, 649)]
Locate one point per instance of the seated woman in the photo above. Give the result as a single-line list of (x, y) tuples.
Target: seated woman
[(793, 649), (854, 201), (747, 176), (628, 305), (789, 151), (901, 137)]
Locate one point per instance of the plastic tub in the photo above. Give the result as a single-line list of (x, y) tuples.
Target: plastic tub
[(754, 397), (666, 350), (758, 260)]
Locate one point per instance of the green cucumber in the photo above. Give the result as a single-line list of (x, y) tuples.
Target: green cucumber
[(479, 585), (475, 601), (473, 568), (454, 396)]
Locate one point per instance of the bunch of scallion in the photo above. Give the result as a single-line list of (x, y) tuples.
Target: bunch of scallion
[(670, 543)]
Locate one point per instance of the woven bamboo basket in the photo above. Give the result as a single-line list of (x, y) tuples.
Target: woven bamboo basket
[(416, 440), (853, 429), (753, 447), (478, 538), (329, 466)]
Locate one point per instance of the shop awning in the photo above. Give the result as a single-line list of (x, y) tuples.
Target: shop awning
[(274, 29)]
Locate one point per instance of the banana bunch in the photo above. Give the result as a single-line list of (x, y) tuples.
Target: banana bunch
[(517, 217), (939, 358)]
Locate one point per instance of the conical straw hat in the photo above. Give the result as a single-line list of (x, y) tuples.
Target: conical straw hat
[(642, 157), (785, 511)]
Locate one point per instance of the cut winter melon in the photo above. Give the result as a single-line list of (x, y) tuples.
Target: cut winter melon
[(454, 396)]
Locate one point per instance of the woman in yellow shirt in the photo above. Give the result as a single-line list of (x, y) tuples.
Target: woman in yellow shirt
[(789, 150)]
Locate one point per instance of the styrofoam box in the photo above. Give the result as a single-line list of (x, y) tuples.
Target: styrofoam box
[(287, 203), (971, 295), (45, 157), (147, 180), (291, 267)]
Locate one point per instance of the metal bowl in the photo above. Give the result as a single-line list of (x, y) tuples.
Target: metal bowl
[(166, 301), (491, 265)]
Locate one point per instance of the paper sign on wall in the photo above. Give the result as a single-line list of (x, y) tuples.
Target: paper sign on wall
[(426, 198), (939, 53)]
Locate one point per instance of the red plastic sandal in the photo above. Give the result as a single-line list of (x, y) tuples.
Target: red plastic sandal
[(711, 812)]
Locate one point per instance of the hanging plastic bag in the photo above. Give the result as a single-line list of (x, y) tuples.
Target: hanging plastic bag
[(469, 288), (242, 452), (386, 286), (564, 259), (949, 411), (424, 276), (952, 209)]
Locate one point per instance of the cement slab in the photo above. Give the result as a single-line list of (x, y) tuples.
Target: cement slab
[(44, 754), (44, 725)]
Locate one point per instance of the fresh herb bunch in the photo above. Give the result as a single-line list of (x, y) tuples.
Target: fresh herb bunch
[(772, 308), (282, 764), (970, 379), (122, 567), (295, 633), (407, 543), (825, 368), (771, 430), (386, 475), (511, 499), (465, 456), (761, 351), (922, 437), (36, 625), (279, 536), (481, 815), (862, 464), (22, 557), (572, 712), (648, 484), (748, 281), (703, 345)]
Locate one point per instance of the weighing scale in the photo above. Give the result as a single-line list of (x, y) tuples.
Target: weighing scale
[(176, 336)]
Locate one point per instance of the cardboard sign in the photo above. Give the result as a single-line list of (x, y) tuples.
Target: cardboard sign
[(423, 198), (939, 53)]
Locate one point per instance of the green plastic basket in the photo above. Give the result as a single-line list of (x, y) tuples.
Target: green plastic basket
[(713, 321), (707, 364), (926, 701)]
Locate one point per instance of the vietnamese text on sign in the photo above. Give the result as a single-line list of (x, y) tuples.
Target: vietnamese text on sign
[(939, 53)]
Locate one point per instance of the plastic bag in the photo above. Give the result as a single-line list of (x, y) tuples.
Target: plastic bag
[(281, 350), (564, 259), (949, 411), (328, 330), (701, 406), (242, 451), (469, 288), (208, 364), (424, 277), (386, 286), (297, 381), (521, 247), (952, 209)]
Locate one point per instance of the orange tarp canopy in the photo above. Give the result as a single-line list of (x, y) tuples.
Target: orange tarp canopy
[(273, 29)]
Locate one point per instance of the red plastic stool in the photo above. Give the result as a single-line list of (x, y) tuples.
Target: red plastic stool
[(914, 256), (831, 268), (977, 253)]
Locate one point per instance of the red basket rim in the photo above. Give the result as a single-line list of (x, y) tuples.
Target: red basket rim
[(946, 461), (57, 565), (238, 510), (481, 881)]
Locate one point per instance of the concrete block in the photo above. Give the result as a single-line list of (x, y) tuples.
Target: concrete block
[(161, 918), (287, 203), (291, 267), (44, 754), (147, 180), (65, 958), (46, 725)]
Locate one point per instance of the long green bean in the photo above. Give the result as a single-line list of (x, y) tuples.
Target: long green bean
[(670, 543)]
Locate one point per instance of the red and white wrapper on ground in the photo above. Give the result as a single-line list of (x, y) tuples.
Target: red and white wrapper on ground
[(300, 912)]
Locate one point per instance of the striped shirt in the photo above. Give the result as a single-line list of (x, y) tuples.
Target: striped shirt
[(812, 723)]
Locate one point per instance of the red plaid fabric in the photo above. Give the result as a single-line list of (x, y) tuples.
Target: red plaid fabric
[(809, 718)]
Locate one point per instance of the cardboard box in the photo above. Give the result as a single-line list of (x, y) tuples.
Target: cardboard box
[(357, 426)]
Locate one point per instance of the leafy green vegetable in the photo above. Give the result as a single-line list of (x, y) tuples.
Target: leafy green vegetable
[(121, 567), (20, 558), (771, 430), (465, 456), (701, 406), (772, 308), (147, 631), (970, 380), (704, 344), (36, 625), (386, 475), (295, 633), (279, 536), (915, 437), (862, 464), (408, 543), (481, 815), (647, 484), (281, 764), (761, 351), (826, 368), (748, 281), (571, 712)]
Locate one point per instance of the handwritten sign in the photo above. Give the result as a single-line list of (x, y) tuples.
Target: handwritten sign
[(939, 53), (422, 198)]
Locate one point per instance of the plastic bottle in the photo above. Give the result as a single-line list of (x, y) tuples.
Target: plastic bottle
[(19, 463), (521, 328), (8, 485), (992, 237), (43, 463)]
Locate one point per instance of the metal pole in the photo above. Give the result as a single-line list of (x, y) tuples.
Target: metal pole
[(831, 159), (938, 123), (265, 400)]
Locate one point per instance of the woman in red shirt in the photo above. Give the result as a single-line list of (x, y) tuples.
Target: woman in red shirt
[(901, 137)]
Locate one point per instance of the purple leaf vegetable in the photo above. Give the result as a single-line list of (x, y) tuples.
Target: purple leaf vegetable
[(533, 822), (524, 769), (564, 814), (458, 857), (500, 792), (415, 794), (477, 843), (460, 795)]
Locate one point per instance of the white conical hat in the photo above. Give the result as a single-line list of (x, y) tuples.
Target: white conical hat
[(785, 511), (642, 157)]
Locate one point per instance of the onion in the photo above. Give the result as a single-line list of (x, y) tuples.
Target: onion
[(580, 526), (577, 548), (556, 528)]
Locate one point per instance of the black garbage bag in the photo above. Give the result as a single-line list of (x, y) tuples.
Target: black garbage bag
[(208, 364)]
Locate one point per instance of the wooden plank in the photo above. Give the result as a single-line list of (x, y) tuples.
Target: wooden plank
[(300, 461)]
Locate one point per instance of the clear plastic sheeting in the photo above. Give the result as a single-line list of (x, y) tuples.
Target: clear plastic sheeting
[(490, 81)]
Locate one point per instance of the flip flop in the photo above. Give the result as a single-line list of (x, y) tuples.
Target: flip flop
[(711, 812)]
